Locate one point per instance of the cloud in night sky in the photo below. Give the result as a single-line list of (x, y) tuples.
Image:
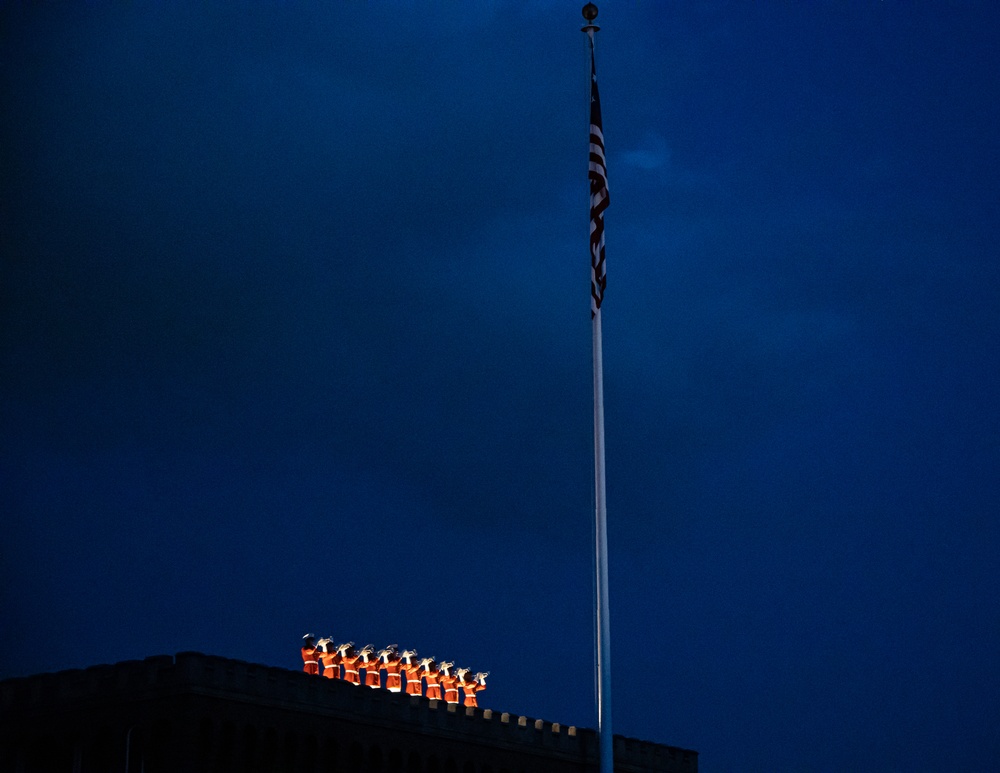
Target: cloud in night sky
[(292, 294)]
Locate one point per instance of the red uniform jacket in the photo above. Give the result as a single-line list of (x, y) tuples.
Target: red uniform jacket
[(413, 686), (351, 668), (310, 660), (470, 689), (392, 668), (372, 678), (450, 685), (331, 664), (433, 685)]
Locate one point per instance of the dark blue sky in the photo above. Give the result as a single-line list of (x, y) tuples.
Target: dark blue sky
[(295, 335)]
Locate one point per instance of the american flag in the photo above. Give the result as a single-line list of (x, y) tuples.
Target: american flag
[(598, 195)]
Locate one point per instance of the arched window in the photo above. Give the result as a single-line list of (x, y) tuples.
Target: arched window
[(135, 750), (413, 763), (395, 764)]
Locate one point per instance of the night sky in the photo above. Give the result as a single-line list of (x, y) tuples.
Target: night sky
[(295, 336)]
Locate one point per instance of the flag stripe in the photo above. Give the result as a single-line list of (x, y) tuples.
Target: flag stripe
[(598, 175)]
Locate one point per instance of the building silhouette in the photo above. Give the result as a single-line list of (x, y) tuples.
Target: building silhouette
[(195, 712)]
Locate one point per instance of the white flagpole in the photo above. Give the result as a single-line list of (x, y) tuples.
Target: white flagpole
[(602, 621)]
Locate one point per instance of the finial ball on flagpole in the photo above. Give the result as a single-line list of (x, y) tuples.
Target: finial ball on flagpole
[(590, 12)]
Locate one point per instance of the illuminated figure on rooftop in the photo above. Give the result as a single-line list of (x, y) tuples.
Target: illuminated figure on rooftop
[(412, 671), (310, 654), (330, 657), (391, 663), (430, 675), (370, 664), (471, 686), (449, 682), (443, 680), (350, 657)]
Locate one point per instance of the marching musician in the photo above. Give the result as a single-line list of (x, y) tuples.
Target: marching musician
[(310, 655), (471, 686), (350, 657), (430, 675), (330, 656), (412, 671), (449, 682), (370, 664), (391, 663)]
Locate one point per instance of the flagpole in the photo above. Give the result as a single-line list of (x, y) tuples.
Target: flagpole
[(601, 563), (598, 202)]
